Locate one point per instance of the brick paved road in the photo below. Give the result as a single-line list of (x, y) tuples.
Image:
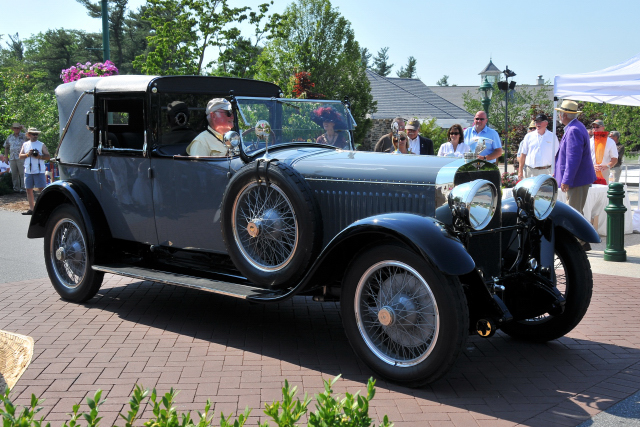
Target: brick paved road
[(238, 354)]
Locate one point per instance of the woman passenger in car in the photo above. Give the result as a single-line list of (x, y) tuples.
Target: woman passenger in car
[(456, 146), (331, 122)]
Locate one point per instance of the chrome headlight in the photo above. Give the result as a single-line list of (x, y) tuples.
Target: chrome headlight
[(537, 195), (474, 203)]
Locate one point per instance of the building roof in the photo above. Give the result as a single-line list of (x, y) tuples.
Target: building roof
[(410, 98), (454, 94), (490, 69)]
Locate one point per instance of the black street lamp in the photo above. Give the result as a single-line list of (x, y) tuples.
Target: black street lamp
[(487, 88), (506, 86)]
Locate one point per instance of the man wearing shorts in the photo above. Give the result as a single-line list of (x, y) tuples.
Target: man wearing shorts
[(34, 154)]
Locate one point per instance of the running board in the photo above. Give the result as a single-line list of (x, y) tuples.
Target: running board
[(224, 288)]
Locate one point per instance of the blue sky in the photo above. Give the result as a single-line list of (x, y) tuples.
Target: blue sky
[(455, 37)]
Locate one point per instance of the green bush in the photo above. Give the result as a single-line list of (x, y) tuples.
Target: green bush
[(331, 411)]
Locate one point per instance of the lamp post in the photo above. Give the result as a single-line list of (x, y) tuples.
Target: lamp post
[(506, 86), (487, 88), (105, 31)]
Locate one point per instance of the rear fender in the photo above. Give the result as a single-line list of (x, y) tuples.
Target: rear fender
[(80, 197)]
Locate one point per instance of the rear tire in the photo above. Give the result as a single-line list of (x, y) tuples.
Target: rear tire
[(575, 281), (405, 319), (68, 256)]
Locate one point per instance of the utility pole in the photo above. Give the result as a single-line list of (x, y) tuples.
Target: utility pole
[(105, 31)]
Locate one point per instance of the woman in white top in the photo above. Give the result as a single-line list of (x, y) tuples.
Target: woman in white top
[(455, 147)]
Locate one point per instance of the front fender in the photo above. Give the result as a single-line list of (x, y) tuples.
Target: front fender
[(571, 220), (563, 216), (427, 236)]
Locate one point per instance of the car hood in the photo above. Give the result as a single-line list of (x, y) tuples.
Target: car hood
[(320, 163)]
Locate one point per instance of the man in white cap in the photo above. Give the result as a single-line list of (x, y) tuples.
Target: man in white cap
[(210, 142), (12, 147), (34, 153), (538, 150)]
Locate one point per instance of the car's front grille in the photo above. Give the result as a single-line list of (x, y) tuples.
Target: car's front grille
[(341, 207)]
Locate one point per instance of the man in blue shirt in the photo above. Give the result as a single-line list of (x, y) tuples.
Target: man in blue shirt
[(480, 129)]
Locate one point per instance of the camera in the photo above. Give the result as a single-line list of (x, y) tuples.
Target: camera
[(35, 153)]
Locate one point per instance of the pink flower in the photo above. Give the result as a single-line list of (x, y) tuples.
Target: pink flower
[(78, 71)]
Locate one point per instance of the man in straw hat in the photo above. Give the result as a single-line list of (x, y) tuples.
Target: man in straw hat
[(12, 147), (34, 153), (574, 168)]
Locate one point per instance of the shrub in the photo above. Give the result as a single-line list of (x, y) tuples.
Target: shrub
[(331, 411)]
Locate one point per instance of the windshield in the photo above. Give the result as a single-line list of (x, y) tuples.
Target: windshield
[(271, 121)]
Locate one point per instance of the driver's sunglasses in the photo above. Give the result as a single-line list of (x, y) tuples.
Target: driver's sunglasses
[(229, 113)]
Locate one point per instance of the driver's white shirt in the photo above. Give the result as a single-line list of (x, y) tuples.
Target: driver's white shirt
[(208, 143)]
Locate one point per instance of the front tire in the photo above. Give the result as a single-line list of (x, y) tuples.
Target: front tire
[(575, 281), (68, 256), (405, 319)]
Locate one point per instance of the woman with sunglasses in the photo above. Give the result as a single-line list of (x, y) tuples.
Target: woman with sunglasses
[(455, 147), (400, 143)]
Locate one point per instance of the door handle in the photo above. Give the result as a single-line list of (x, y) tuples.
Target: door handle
[(101, 169)]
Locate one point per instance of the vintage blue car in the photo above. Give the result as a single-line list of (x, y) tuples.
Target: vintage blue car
[(419, 250)]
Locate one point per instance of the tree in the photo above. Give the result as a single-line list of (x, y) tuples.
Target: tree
[(409, 71), (430, 129), (15, 47), (623, 118), (381, 64), (23, 102), (444, 81), (46, 54), (316, 39), (524, 104), (117, 10), (183, 30), (366, 56), (238, 58)]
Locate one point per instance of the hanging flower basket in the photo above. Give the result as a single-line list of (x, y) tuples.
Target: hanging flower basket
[(79, 71)]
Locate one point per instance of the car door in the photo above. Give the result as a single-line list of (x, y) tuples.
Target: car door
[(188, 194), (123, 169)]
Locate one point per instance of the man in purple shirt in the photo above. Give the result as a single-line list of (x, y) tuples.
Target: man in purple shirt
[(574, 168)]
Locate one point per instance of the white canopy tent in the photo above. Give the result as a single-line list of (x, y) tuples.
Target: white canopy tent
[(619, 85)]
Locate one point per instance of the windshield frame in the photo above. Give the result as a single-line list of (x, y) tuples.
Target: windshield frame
[(238, 101)]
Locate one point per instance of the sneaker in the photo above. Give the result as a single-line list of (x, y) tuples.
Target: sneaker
[(586, 246), (29, 212)]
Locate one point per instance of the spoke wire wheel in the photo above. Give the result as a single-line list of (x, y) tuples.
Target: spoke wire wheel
[(68, 252), (396, 313), (265, 226), (561, 284)]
